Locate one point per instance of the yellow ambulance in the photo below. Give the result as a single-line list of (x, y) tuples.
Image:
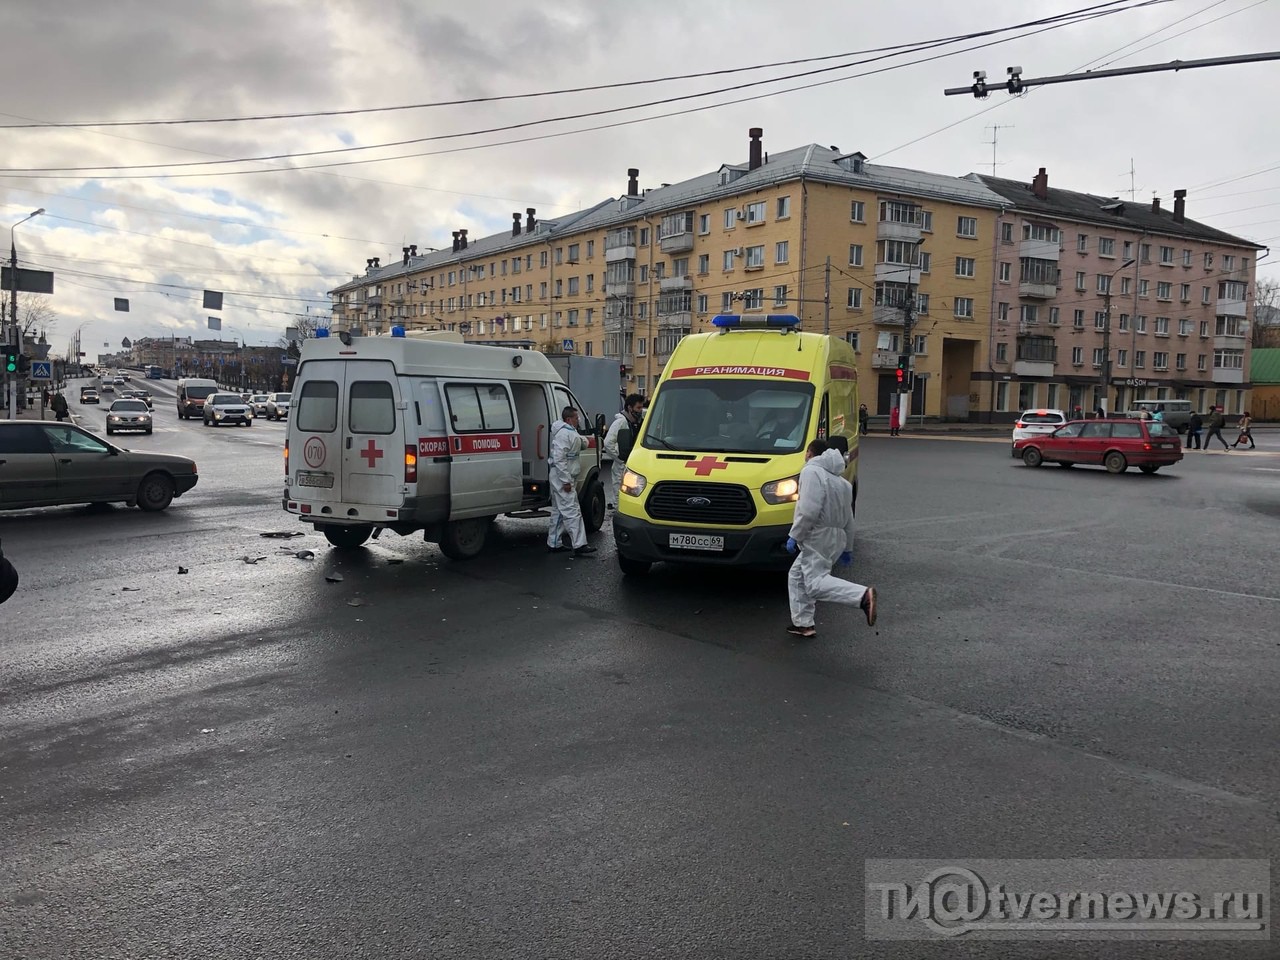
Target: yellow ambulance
[(713, 476)]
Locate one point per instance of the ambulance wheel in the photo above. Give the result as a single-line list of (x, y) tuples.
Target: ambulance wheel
[(633, 568), (464, 539), (346, 538), (593, 506)]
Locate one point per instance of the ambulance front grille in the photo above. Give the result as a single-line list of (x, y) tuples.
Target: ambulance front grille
[(685, 501)]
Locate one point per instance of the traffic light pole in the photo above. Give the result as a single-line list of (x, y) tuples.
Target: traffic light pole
[(15, 333)]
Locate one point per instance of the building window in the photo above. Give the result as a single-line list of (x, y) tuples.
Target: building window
[(704, 263), (1106, 247), (1208, 261), (1006, 233), (753, 299), (1184, 292), (1140, 323), (922, 303), (702, 303), (1230, 327), (967, 226), (755, 257), (1166, 255), (853, 339), (858, 211), (1080, 280), (896, 251), (1160, 360), (1040, 231), (925, 260), (1002, 396), (731, 218), (1202, 362), (587, 350), (573, 318), (726, 302), (756, 212), (1002, 312), (1006, 271), (1122, 358), (542, 290), (1126, 285), (1077, 356), (781, 251), (1228, 359), (728, 260), (1184, 328), (1139, 359), (965, 266), (542, 259), (574, 250), (1182, 361), (1054, 317), (641, 346), (1205, 294), (1162, 326), (559, 255), (964, 307), (780, 295), (921, 344), (1029, 313), (573, 286), (1002, 352), (1143, 288), (1099, 320), (1144, 251), (1104, 283), (560, 284), (898, 211), (854, 301), (855, 254), (1097, 356), (644, 236), (1186, 258), (1204, 329), (1082, 242), (784, 208), (591, 249), (591, 315), (1077, 318), (1164, 291), (704, 223)]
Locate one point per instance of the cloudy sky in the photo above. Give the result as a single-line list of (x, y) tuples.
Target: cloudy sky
[(155, 213)]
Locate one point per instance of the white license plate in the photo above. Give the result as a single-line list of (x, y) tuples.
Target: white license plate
[(315, 480), (694, 541)]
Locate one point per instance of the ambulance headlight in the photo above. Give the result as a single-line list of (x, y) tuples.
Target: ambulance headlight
[(633, 484), (781, 491)]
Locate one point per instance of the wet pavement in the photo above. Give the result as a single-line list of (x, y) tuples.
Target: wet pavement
[(527, 755)]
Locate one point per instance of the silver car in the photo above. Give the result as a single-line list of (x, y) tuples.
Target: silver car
[(223, 408), (258, 402), (47, 464), (278, 406), (131, 414)]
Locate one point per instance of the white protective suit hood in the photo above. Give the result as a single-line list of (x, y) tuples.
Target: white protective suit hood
[(824, 509)]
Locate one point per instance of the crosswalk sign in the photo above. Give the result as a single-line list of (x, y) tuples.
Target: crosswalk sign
[(41, 370)]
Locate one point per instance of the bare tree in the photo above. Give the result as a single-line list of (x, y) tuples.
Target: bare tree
[(35, 313), (1266, 314)]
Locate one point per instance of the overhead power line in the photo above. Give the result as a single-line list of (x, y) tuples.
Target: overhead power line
[(541, 93)]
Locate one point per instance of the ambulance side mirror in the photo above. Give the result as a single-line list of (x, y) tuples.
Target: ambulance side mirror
[(600, 425)]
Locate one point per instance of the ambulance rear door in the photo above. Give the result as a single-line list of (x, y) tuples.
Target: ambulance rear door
[(373, 444), (486, 469)]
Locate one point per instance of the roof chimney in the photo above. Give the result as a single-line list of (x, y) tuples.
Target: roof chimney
[(1040, 185), (633, 182), (530, 221), (515, 224), (1155, 204), (406, 256), (755, 133), (1179, 206), (456, 248), (377, 262), (462, 239), (413, 249)]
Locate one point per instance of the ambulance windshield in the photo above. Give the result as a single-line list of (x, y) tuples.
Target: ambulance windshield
[(722, 415)]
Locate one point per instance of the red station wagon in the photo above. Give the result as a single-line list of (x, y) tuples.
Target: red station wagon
[(1114, 444)]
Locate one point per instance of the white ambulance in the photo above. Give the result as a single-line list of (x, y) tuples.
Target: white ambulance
[(426, 432)]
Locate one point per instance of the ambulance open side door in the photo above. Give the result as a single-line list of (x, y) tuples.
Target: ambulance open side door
[(485, 467)]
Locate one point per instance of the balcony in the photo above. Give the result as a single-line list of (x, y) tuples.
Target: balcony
[(373, 301), (1227, 375), (889, 315), (1032, 368), (1227, 342), (1038, 291), (896, 230), (1231, 308), (668, 321), (1040, 249), (339, 309), (1036, 356), (668, 284), (677, 243), (882, 359), (897, 272), (614, 254)]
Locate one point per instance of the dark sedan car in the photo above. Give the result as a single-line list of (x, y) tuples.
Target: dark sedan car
[(1114, 444), (44, 464)]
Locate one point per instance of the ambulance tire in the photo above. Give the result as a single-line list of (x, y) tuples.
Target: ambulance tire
[(346, 538), (633, 568), (464, 539), (593, 506)]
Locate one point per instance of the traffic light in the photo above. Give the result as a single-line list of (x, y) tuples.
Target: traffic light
[(10, 361), (901, 373), (24, 363), (622, 370)]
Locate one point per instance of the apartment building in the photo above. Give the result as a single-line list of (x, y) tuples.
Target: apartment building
[(812, 231), (1097, 297)]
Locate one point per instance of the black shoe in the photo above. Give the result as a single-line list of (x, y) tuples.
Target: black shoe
[(556, 549), (583, 550)]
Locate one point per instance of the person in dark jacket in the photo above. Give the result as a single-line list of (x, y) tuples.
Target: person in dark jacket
[(1194, 425), (60, 406), (1216, 422), (8, 578), (1246, 431)]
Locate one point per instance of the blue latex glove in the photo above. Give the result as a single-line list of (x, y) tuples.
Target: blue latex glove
[(846, 558), (791, 545)]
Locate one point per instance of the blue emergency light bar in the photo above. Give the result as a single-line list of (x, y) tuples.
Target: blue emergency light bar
[(397, 331), (734, 321), (322, 332)]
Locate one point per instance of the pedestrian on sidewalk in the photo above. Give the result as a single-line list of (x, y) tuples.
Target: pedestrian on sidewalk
[(1216, 422), (864, 419), (60, 406), (619, 440), (1194, 425), (1246, 431), (822, 534), (566, 512), (894, 420)]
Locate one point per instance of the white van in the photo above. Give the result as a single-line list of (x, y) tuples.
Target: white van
[(426, 433), (1176, 413)]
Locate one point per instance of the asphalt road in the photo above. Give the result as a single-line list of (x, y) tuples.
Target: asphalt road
[(527, 755)]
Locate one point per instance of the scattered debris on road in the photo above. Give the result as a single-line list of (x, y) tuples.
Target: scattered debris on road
[(281, 534), (333, 577), (248, 559), (182, 570), (305, 555)]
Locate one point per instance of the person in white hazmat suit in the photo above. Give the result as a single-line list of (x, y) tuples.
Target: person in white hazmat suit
[(822, 532), (618, 441), (566, 512)]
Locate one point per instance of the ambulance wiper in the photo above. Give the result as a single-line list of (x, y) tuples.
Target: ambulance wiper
[(666, 443)]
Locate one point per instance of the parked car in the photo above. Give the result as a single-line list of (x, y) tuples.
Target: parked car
[(258, 403), (1114, 444), (222, 408), (89, 395), (128, 415), (278, 406), (1034, 423), (44, 464)]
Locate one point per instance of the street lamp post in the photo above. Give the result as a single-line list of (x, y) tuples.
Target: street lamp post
[(1105, 376), (908, 322), (13, 308)]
